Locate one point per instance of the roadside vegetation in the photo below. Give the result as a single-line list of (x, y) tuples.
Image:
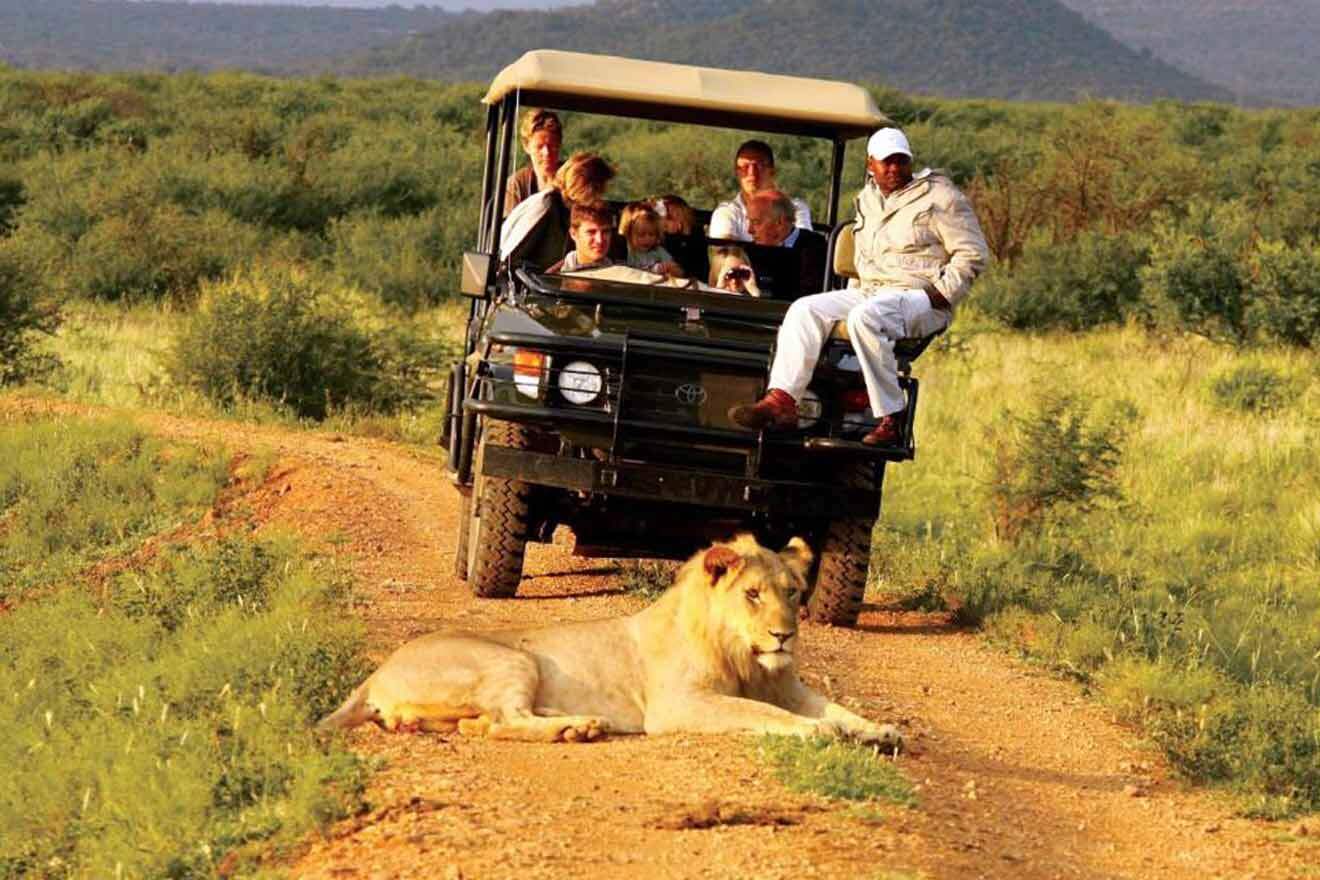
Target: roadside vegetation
[(1118, 458), (836, 770), (1139, 513), (157, 718)]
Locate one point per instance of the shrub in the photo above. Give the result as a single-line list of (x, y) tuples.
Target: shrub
[(1051, 460), (1254, 388), (1074, 285), (405, 261), (21, 319), (1284, 293), (1195, 279), (278, 335)]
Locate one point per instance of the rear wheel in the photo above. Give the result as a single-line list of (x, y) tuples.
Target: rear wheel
[(499, 518), (845, 557)]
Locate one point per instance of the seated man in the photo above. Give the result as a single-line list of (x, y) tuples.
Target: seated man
[(918, 249), (592, 229), (770, 216), (754, 167)]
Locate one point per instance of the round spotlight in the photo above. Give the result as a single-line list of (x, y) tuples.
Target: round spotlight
[(580, 382)]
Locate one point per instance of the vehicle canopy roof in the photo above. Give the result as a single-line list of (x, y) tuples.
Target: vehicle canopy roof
[(683, 93)]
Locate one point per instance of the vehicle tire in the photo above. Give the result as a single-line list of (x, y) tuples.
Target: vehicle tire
[(500, 518), (845, 557)]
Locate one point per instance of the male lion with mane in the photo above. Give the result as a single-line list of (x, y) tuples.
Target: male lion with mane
[(715, 654)]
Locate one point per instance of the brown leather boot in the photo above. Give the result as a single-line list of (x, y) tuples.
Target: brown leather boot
[(888, 433), (777, 411)]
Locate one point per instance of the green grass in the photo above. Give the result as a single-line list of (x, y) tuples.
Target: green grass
[(117, 356), (1189, 599), (834, 769), (152, 736), (73, 492), (648, 578), (160, 725)]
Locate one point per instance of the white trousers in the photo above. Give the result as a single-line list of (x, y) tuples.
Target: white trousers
[(877, 318)]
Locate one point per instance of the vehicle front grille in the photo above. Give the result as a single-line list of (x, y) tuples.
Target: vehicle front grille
[(678, 392)]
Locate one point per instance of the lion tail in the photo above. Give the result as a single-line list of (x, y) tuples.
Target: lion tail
[(353, 712)]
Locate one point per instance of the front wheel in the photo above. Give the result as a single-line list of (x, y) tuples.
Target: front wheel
[(845, 557), (499, 518)]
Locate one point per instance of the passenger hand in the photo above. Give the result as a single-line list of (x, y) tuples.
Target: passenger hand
[(670, 268)]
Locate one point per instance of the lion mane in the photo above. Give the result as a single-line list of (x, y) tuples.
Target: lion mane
[(715, 654)]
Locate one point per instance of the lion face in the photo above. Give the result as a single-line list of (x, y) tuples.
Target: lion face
[(756, 594)]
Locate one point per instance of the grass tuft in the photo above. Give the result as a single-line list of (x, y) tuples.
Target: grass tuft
[(834, 769)]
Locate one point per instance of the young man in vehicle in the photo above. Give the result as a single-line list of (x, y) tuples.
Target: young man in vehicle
[(918, 249), (754, 167), (592, 229), (542, 137), (770, 219)]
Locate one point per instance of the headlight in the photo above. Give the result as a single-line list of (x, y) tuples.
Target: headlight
[(810, 409), (580, 382), (529, 371)]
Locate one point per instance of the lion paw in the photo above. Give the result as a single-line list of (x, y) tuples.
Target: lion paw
[(885, 737), (582, 730)]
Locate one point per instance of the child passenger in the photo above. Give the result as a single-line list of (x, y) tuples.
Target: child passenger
[(678, 216), (641, 227)]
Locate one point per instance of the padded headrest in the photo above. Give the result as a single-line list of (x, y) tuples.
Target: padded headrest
[(843, 253)]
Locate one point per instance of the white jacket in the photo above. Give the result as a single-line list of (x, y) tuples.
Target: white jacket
[(924, 236)]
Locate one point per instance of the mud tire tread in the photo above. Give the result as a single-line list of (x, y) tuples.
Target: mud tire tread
[(845, 557), (505, 520)]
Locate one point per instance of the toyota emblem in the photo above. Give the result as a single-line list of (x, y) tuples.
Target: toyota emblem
[(690, 395)]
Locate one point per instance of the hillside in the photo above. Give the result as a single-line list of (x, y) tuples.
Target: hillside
[(1033, 49), (1029, 49), (89, 35), (1261, 49)]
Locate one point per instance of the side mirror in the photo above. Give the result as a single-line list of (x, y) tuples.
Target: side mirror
[(478, 275)]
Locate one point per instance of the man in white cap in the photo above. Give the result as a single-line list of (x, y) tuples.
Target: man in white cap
[(918, 247)]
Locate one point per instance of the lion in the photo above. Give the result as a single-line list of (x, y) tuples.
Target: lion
[(715, 654)]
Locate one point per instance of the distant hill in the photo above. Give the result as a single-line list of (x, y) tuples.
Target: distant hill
[(1035, 49), (96, 35), (1031, 49), (1267, 49)]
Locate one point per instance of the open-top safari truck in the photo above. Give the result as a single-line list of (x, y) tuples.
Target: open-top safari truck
[(603, 405)]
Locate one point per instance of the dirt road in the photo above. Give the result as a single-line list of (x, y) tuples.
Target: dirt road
[(1020, 776)]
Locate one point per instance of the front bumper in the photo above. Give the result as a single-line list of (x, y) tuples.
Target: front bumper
[(678, 485)]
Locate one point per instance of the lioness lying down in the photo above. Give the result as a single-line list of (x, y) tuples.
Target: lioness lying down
[(715, 654)]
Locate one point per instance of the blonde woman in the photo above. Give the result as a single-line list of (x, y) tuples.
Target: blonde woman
[(536, 232)]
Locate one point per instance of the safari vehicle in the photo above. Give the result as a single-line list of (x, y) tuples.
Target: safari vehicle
[(603, 406)]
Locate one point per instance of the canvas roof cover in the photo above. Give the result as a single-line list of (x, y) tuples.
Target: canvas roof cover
[(683, 93)]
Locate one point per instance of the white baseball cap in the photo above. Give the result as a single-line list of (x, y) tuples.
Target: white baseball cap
[(886, 142)]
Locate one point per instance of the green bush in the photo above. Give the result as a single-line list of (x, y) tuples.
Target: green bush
[(1196, 279), (1056, 458), (280, 335), (1284, 290), (1254, 388), (406, 261), (1089, 281), (22, 319)]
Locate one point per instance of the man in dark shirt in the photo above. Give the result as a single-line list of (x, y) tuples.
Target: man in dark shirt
[(771, 221)]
